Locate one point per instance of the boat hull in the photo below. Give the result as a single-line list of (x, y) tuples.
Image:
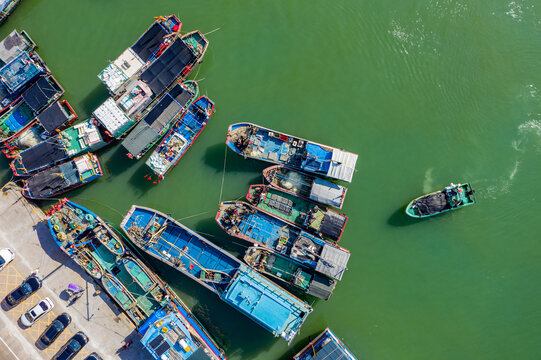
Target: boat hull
[(416, 208)]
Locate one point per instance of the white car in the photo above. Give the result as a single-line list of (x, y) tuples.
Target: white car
[(6, 255), (31, 316)]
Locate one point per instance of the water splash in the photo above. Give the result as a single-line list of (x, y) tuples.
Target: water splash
[(428, 181), (515, 10)]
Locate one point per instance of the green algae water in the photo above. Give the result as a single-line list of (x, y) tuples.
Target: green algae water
[(426, 92)]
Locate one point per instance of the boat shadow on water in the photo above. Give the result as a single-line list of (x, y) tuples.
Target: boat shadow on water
[(399, 218), (95, 98), (118, 162), (215, 155)]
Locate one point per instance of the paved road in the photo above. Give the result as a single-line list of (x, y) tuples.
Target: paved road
[(22, 230)]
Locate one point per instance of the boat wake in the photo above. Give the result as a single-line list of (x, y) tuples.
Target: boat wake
[(502, 186), (428, 181)]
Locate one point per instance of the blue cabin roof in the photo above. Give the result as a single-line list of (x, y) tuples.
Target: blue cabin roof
[(317, 158), (19, 71), (278, 311)]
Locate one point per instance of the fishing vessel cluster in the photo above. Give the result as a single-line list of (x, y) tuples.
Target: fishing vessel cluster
[(291, 224)]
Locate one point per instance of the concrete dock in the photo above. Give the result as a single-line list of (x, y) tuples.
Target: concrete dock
[(24, 231)]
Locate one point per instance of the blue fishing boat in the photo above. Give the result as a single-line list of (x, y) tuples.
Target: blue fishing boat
[(149, 303), (181, 137), (56, 117), (160, 118), (6, 8), (326, 346), (174, 58), (74, 141), (32, 102), (247, 222), (61, 178), (19, 73), (167, 240), (256, 142)]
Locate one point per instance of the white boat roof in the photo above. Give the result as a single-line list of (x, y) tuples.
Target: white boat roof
[(326, 192), (111, 116), (342, 165), (129, 63), (333, 261), (11, 46)]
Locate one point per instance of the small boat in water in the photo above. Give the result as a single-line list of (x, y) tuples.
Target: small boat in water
[(452, 197), (256, 142), (32, 102), (53, 119), (247, 222), (327, 346), (317, 219), (163, 114), (305, 185), (62, 178), (73, 141), (179, 139), (288, 271), (6, 8), (167, 240), (166, 324)]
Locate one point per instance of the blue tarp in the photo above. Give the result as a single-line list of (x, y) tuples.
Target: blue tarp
[(317, 158)]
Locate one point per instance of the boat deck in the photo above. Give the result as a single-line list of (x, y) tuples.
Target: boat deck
[(267, 230), (272, 307), (16, 119), (186, 251)]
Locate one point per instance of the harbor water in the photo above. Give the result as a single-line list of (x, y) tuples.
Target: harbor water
[(426, 92)]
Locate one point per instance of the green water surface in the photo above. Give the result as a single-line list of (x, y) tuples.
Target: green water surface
[(426, 92)]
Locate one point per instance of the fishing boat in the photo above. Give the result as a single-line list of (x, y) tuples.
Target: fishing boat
[(247, 222), (32, 102), (6, 8), (14, 44), (305, 185), (181, 137), (18, 74), (74, 141), (136, 289), (160, 118), (256, 142), (167, 240), (62, 178), (317, 219), (56, 117), (147, 48), (288, 271), (325, 346), (452, 197), (172, 62)]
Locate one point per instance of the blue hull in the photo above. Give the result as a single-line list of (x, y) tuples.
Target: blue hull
[(169, 241)]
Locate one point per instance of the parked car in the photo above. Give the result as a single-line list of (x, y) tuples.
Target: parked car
[(55, 328), (72, 347), (27, 288), (30, 317), (6, 255), (93, 356)]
